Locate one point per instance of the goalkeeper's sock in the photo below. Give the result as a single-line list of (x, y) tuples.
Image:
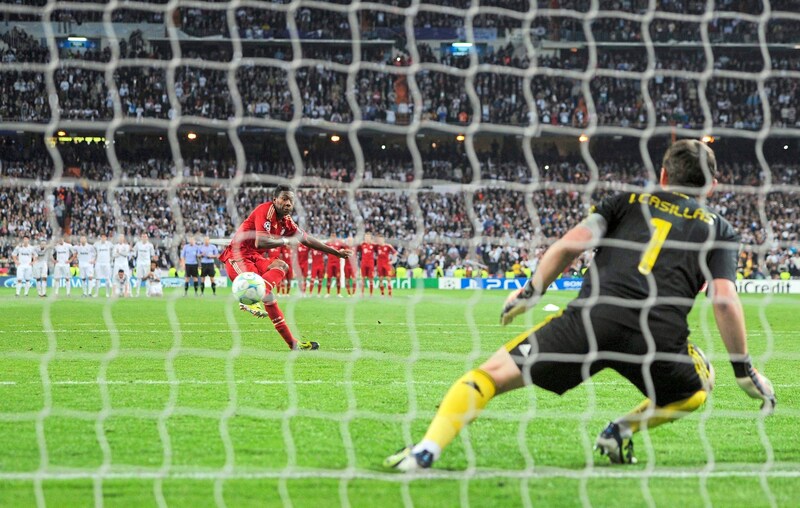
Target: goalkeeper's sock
[(462, 404), (275, 314), (635, 421)]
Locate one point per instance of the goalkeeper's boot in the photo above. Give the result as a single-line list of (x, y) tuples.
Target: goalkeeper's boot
[(256, 309), (309, 345), (405, 460), (610, 443)]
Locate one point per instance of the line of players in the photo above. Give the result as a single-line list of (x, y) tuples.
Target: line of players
[(311, 266), (106, 261), (100, 261)]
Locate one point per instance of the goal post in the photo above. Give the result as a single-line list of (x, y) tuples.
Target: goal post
[(470, 135)]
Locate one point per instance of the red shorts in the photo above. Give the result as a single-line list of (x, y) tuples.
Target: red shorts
[(317, 272), (384, 271), (367, 271), (349, 270), (259, 265), (303, 271), (333, 268)]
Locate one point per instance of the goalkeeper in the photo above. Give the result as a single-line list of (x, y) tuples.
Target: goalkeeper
[(654, 252)]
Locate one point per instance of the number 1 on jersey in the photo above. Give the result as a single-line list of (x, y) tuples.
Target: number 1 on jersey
[(650, 254)]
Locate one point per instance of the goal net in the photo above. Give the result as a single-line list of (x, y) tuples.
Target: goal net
[(469, 135)]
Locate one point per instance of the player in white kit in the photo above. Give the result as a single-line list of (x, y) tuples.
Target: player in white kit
[(144, 253), (24, 256), (154, 287), (86, 256), (40, 267), (64, 254), (102, 264), (121, 284), (121, 253)]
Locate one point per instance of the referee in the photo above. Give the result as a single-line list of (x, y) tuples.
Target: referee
[(208, 253), (189, 257)]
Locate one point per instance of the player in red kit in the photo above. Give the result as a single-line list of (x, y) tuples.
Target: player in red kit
[(268, 227), (301, 267), (350, 270), (367, 251), (385, 270), (334, 270), (317, 271), (286, 284)]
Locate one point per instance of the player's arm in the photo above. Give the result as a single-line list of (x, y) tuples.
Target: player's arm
[(555, 260), (313, 243), (267, 241), (730, 321)]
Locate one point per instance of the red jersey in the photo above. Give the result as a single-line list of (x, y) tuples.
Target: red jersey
[(286, 254), (317, 257), (385, 252), (367, 251), (302, 256), (335, 244), (264, 219)]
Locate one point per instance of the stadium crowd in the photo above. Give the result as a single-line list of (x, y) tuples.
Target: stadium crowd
[(554, 20), (443, 227), (384, 96)]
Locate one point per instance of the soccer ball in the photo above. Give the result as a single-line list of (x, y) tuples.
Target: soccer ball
[(249, 288)]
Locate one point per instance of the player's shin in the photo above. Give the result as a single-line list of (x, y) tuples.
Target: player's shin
[(648, 415), (462, 404), (275, 314)]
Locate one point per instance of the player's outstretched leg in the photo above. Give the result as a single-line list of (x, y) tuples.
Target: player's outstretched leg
[(273, 278), (616, 440), (461, 405)]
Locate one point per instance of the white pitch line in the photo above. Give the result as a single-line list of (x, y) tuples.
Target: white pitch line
[(70, 382), (350, 474), (76, 382)]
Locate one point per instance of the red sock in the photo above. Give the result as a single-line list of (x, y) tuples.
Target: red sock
[(389, 287), (276, 316), (371, 287)]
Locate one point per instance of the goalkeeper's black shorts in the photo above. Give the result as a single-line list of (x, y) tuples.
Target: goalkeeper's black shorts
[(555, 356)]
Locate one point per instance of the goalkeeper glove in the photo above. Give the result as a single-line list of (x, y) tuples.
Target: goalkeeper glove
[(518, 302), (754, 383)]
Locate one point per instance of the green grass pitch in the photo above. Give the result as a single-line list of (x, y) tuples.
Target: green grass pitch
[(189, 402)]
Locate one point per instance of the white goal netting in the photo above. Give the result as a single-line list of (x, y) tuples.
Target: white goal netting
[(468, 134)]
